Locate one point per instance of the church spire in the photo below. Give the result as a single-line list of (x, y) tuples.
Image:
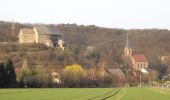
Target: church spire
[(127, 50), (127, 41)]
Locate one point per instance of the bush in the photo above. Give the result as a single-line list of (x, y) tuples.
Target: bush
[(74, 76)]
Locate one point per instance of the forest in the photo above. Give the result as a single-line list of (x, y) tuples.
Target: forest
[(107, 43), (88, 46)]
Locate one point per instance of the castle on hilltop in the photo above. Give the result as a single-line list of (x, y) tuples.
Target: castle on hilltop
[(41, 34)]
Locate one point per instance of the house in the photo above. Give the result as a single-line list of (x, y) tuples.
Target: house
[(165, 62), (117, 72), (139, 62), (41, 34), (56, 77), (104, 74), (27, 36), (165, 59)]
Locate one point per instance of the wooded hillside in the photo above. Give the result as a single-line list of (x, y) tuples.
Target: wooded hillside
[(108, 43)]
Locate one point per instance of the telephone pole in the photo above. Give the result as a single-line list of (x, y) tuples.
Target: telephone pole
[(140, 81)]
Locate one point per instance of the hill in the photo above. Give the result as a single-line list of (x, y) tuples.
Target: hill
[(108, 44)]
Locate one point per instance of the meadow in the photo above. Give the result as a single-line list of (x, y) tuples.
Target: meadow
[(135, 93)]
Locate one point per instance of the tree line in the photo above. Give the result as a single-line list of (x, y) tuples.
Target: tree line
[(71, 76), (7, 75)]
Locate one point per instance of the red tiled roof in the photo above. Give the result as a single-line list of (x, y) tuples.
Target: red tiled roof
[(140, 58)]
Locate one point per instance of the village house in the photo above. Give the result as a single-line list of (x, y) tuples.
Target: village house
[(102, 73), (41, 34), (165, 59), (165, 62), (139, 61), (56, 77)]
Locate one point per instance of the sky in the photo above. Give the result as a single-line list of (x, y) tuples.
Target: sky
[(125, 14)]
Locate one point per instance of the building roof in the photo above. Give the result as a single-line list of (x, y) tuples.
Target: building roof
[(140, 58), (27, 31), (46, 30), (116, 71)]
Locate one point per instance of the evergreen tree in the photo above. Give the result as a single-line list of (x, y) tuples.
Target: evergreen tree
[(10, 75), (2, 73)]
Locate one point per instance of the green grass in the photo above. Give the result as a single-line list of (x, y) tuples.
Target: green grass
[(85, 94), (141, 94), (51, 94)]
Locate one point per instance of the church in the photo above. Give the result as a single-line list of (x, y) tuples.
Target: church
[(139, 61)]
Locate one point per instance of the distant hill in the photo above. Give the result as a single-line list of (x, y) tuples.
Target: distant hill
[(109, 42)]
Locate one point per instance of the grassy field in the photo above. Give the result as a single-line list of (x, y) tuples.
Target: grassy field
[(86, 94)]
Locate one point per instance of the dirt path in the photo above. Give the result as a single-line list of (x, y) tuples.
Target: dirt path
[(111, 95), (106, 95)]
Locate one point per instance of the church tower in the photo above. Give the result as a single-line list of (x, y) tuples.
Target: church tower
[(127, 50)]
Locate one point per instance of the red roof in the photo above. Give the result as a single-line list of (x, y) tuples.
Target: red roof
[(140, 58)]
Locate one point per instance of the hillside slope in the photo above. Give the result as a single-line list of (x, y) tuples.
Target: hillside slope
[(108, 43)]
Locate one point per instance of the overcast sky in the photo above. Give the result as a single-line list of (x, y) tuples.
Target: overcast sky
[(106, 13)]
